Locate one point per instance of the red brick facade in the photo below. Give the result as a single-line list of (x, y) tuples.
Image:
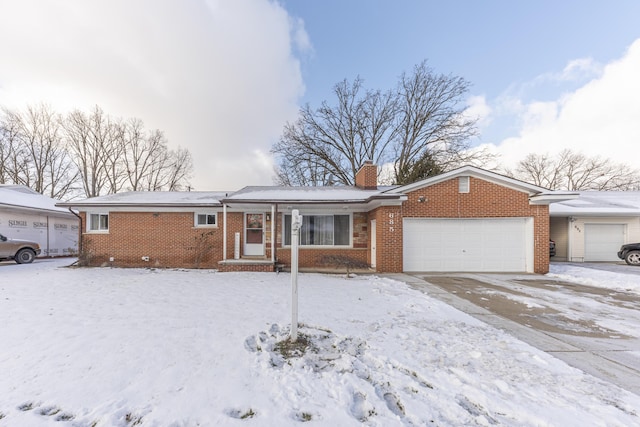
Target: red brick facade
[(309, 257), (367, 176), (169, 239), (484, 200)]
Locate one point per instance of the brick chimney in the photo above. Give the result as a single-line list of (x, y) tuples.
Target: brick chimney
[(367, 176)]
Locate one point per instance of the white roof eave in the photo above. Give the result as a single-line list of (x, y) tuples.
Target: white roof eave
[(548, 198)]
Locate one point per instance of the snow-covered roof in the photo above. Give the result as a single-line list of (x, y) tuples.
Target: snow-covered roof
[(21, 197), (153, 198), (268, 194), (595, 203)]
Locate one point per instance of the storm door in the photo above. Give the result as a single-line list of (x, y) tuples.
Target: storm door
[(254, 234)]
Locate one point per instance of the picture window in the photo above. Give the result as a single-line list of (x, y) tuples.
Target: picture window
[(321, 230)]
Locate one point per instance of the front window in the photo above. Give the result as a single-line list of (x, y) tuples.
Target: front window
[(99, 222), (321, 230), (206, 219)]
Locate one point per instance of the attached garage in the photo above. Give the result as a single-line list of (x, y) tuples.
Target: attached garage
[(603, 241), (472, 245)]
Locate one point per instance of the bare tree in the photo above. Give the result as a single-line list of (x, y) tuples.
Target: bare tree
[(177, 171), (419, 124), (574, 171), (294, 171), (140, 153), (86, 153), (432, 125), (33, 151), (11, 150), (90, 139), (331, 143)]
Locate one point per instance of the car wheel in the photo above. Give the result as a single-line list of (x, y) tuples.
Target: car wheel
[(25, 256), (633, 258)]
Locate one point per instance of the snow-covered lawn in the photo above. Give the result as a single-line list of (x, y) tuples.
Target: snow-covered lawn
[(125, 347)]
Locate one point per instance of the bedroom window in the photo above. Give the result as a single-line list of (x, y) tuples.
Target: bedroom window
[(206, 219), (321, 230), (98, 222)]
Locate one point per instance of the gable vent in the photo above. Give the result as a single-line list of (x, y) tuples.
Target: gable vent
[(463, 184)]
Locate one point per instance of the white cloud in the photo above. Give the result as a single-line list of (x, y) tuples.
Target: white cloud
[(580, 68), (600, 118), (478, 109), (219, 77)]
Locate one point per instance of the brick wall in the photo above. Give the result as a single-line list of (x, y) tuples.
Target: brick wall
[(388, 238), (484, 200), (169, 239), (367, 176), (258, 268), (309, 257)]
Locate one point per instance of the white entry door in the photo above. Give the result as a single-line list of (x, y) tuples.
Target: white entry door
[(254, 234)]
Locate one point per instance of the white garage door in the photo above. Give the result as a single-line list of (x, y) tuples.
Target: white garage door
[(602, 241), (495, 244)]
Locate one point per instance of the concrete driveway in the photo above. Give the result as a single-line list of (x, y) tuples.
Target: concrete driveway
[(594, 329)]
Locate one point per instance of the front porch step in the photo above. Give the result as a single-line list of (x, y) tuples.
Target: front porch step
[(247, 264)]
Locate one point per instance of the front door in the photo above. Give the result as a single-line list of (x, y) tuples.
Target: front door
[(254, 234)]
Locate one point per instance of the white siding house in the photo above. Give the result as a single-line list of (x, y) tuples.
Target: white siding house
[(595, 225), (26, 214)]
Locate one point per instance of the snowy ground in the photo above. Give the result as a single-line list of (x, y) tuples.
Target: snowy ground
[(125, 347)]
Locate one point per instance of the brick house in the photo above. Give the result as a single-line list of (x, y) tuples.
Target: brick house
[(468, 219)]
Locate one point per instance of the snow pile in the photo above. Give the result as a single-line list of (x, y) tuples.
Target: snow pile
[(597, 278), (125, 347)]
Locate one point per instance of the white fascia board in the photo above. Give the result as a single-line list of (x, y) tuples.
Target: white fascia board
[(593, 213), (333, 206), (110, 208), (548, 198)]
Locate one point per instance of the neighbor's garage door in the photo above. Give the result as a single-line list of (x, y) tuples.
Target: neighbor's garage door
[(602, 241), (496, 244)]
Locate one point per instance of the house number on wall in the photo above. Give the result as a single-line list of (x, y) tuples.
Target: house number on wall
[(391, 222)]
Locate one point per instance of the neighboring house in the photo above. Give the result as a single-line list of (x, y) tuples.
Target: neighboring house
[(594, 226), (28, 215), (468, 219)]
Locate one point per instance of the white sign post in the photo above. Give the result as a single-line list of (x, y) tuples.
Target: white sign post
[(296, 223)]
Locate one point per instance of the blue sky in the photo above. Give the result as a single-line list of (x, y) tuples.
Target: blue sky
[(222, 77), (501, 47), (491, 43)]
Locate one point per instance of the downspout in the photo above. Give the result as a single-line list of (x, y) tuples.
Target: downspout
[(274, 227), (273, 242), (79, 232), (48, 243), (224, 232), (569, 238)]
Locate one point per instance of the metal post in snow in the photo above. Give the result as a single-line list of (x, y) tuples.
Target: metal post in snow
[(296, 223)]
